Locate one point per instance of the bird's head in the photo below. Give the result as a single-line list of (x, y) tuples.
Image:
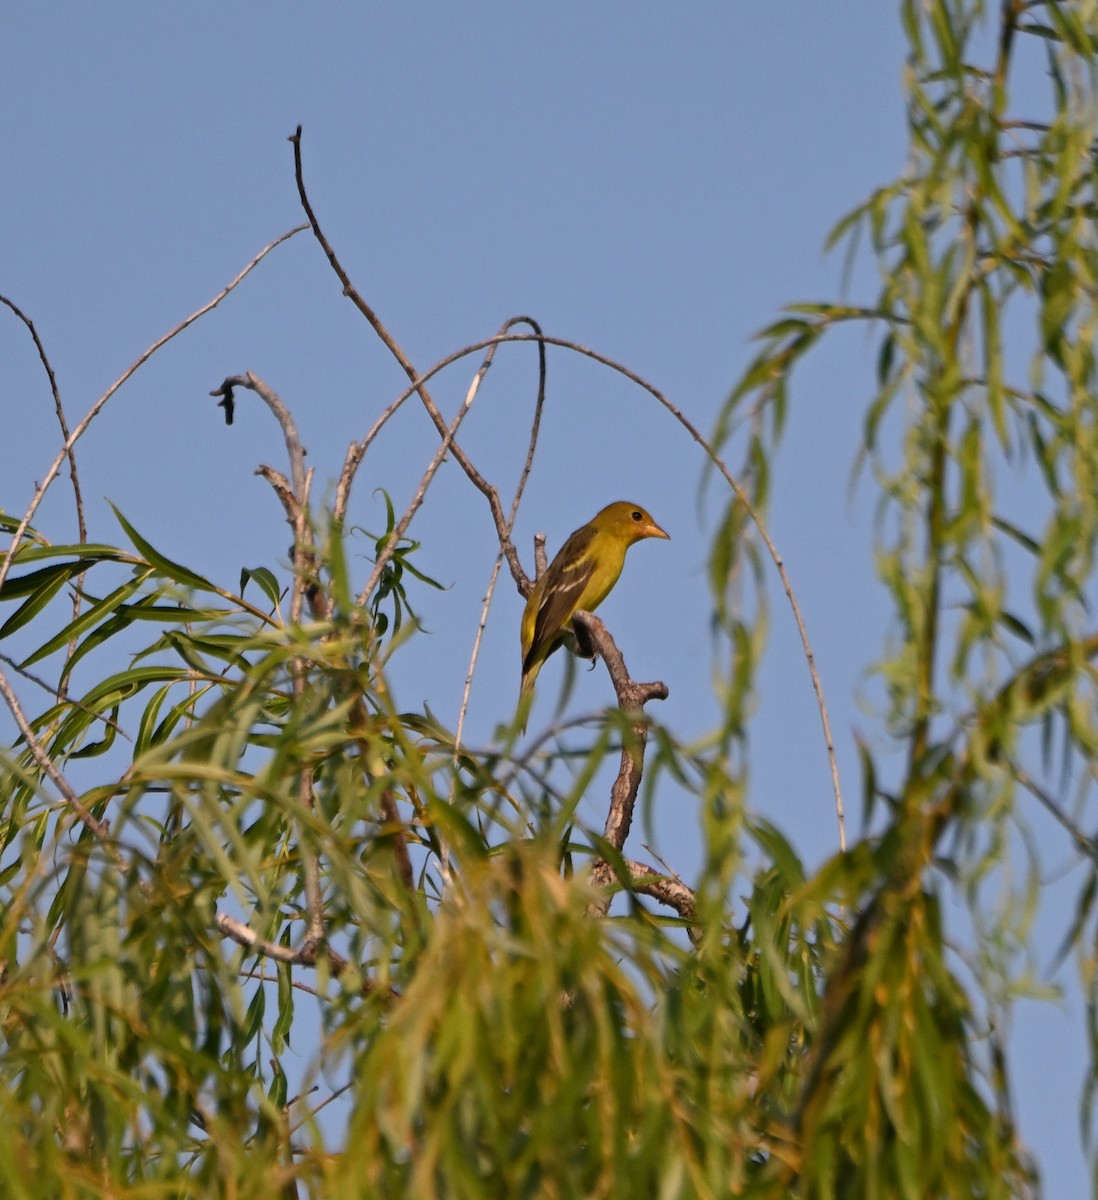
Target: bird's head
[(629, 522)]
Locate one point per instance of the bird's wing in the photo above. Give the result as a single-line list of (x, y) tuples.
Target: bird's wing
[(565, 583)]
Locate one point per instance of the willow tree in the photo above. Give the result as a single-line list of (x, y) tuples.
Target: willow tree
[(231, 837)]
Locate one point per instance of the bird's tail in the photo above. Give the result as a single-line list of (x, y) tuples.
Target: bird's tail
[(526, 691)]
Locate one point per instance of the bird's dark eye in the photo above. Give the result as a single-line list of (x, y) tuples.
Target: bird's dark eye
[(637, 515)]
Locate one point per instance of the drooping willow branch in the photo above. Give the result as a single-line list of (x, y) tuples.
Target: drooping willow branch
[(74, 475), (959, 762)]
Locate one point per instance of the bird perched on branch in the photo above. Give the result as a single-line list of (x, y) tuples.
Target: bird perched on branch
[(578, 580)]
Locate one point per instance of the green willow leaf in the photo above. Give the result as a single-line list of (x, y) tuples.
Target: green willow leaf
[(90, 617), (165, 566), (265, 580), (49, 582)]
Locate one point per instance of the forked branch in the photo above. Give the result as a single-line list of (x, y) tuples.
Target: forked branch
[(594, 639)]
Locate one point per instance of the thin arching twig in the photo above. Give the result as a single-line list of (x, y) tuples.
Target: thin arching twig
[(59, 410), (772, 550), (401, 526), (62, 697), (535, 426), (81, 428), (74, 476)]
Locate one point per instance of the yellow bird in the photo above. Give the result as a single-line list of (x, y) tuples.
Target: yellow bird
[(578, 580)]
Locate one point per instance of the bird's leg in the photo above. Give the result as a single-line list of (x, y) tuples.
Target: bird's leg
[(583, 644)]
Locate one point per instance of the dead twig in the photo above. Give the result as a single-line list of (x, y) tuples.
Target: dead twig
[(293, 493), (595, 639)]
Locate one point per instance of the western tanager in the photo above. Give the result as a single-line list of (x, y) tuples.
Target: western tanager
[(578, 580)]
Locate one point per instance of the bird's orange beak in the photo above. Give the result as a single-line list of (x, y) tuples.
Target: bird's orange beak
[(653, 530)]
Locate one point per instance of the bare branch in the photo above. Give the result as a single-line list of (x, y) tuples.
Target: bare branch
[(295, 451), (305, 955), (632, 697), (647, 880), (295, 500), (294, 497), (281, 486), (482, 624), (47, 765), (594, 638), (539, 405), (246, 936)]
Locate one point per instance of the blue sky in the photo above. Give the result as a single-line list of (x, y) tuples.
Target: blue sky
[(652, 182)]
